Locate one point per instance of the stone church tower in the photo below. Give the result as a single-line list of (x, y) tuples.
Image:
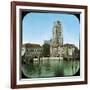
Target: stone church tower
[(57, 39)]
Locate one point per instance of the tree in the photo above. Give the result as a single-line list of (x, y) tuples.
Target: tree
[(46, 50)]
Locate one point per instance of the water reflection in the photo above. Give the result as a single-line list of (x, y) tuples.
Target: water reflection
[(50, 68)]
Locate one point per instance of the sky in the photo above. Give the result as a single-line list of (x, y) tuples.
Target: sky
[(38, 27)]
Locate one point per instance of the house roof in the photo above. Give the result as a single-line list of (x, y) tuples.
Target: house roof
[(29, 45), (65, 45), (69, 45)]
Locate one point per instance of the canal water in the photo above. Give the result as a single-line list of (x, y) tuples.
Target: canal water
[(51, 68)]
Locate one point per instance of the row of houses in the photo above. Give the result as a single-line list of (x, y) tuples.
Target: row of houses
[(35, 50), (31, 50)]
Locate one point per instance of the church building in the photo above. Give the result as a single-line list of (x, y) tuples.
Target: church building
[(56, 45)]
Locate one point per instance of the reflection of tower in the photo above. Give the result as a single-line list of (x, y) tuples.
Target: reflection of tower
[(57, 34), (57, 39)]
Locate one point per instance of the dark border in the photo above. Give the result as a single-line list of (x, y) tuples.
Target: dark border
[(24, 12), (13, 44)]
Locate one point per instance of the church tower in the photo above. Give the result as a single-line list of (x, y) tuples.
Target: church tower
[(57, 39), (57, 34)]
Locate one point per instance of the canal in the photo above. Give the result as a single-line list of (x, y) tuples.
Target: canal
[(51, 68)]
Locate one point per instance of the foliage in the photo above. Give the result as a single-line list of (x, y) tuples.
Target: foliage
[(46, 50)]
